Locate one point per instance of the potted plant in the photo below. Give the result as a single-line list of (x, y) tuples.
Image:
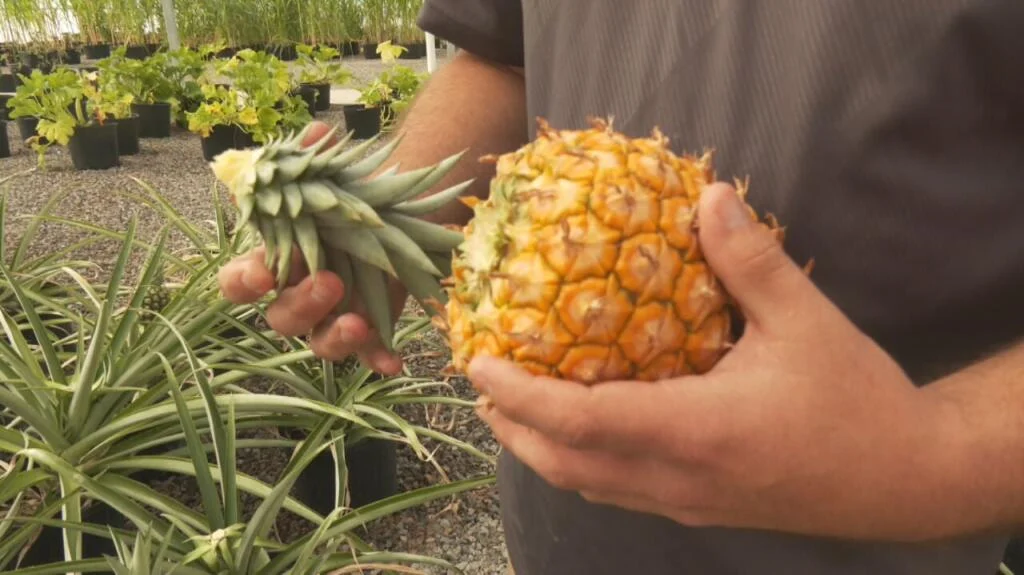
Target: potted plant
[(46, 107), (107, 102), (92, 141), (151, 89), (319, 69), (366, 116), (221, 119), (264, 84), (185, 69)]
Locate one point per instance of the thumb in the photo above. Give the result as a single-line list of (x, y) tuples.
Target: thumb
[(748, 258)]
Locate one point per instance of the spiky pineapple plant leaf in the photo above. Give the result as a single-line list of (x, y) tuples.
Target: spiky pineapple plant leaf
[(320, 203)]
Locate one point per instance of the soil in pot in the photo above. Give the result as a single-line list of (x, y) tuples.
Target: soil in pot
[(128, 135), (94, 147), (154, 119), (372, 476), (49, 547), (97, 51), (5, 144), (365, 122), (323, 96), (224, 138)]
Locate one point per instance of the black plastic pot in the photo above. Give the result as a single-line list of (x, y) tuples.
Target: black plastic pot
[(224, 138), (97, 51), (154, 119), (285, 53), (49, 547), (128, 135), (136, 52), (30, 59), (5, 144), (322, 94), (4, 98), (349, 48), (370, 51), (365, 122), (8, 82), (73, 57), (372, 475), (308, 95), (94, 147), (27, 127), (413, 51)]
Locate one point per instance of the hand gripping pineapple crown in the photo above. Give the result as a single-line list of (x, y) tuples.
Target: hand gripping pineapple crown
[(583, 262)]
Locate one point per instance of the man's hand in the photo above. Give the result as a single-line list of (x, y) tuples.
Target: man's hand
[(307, 305), (805, 426)]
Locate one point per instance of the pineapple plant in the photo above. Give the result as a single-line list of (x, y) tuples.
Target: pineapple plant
[(582, 263)]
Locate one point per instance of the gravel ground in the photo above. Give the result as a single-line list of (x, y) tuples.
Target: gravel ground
[(466, 531)]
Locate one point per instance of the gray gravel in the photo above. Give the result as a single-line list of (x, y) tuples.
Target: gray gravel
[(467, 531)]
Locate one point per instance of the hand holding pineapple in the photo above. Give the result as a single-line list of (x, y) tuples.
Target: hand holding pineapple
[(308, 303), (805, 425)]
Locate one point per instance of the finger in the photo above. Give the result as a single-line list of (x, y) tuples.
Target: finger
[(567, 468), (297, 310), (245, 279), (641, 503), (750, 260), (317, 131), (351, 334), (615, 416)]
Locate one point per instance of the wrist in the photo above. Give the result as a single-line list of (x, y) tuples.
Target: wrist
[(979, 455)]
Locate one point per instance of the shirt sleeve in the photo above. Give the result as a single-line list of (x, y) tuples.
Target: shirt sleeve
[(491, 29)]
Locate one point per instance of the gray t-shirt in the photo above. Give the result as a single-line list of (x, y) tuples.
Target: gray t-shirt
[(887, 135)]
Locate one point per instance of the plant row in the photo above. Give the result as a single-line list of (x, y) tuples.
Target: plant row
[(65, 27), (101, 113)]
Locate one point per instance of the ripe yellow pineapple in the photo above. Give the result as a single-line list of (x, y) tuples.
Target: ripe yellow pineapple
[(584, 262)]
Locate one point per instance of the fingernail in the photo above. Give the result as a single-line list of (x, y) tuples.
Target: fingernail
[(731, 208)]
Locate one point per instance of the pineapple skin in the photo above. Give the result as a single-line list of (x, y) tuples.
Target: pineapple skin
[(584, 262)]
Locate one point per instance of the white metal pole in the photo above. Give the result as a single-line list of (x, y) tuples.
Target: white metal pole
[(431, 53), (171, 24)]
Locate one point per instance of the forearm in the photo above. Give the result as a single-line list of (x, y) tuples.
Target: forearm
[(469, 104), (987, 438)]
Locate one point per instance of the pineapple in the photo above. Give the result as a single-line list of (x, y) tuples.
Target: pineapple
[(158, 296), (584, 262), (315, 202)]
